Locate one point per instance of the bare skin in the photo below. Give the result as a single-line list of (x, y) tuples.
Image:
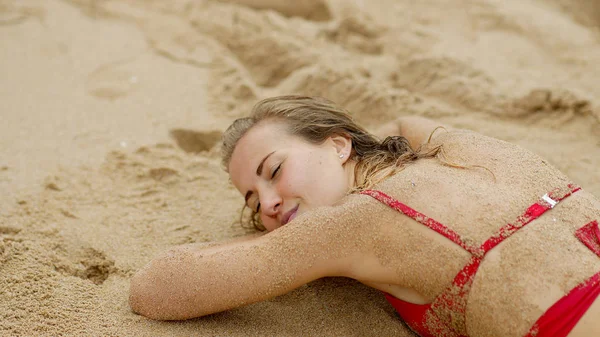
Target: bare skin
[(315, 231)]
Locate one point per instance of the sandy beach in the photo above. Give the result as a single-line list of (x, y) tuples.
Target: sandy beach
[(112, 113)]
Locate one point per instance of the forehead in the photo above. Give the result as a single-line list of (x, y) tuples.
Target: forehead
[(250, 150)]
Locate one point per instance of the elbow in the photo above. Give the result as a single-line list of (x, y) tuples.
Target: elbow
[(148, 298), (155, 292), (142, 300)]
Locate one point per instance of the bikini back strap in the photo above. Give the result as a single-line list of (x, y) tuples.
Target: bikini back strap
[(451, 305), (421, 218), (545, 203), (447, 316)]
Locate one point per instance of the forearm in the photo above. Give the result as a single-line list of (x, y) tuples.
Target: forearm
[(212, 246), (190, 281), (167, 275), (149, 293)]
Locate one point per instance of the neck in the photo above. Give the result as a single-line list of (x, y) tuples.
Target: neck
[(349, 170)]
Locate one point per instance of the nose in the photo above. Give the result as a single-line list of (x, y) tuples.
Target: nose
[(270, 202)]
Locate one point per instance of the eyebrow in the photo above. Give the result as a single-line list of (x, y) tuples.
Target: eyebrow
[(258, 173)]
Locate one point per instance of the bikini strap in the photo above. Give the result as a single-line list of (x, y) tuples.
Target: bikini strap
[(545, 203), (447, 316), (421, 218)]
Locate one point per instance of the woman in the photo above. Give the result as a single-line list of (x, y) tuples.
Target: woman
[(514, 248)]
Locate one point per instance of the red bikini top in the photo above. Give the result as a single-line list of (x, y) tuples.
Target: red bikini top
[(445, 316)]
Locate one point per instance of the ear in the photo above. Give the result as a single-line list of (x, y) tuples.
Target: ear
[(342, 145)]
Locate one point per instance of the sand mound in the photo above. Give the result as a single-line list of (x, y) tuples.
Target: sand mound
[(584, 11), (113, 110), (309, 9)]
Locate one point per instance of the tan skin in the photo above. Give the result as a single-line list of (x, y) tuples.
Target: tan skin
[(314, 230)]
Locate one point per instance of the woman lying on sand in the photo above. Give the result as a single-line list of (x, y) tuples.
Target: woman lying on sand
[(466, 235)]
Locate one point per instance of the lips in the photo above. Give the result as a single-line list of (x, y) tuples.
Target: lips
[(289, 216)]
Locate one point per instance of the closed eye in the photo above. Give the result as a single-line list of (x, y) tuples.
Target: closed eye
[(275, 172)]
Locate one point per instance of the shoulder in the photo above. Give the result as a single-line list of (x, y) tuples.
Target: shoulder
[(461, 144), (443, 135), (329, 236), (352, 211)]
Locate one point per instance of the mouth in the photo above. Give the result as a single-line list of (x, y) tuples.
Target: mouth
[(289, 216)]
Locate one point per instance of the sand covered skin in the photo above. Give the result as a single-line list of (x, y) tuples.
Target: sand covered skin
[(112, 113)]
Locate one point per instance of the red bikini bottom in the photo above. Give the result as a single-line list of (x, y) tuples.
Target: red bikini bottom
[(562, 317), (558, 320)]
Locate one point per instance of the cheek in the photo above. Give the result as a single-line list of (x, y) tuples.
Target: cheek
[(315, 178), (290, 181), (297, 181), (324, 178)]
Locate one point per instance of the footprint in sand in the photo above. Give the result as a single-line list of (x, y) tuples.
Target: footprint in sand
[(148, 165), (89, 264), (195, 141), (97, 267), (112, 81), (150, 173)]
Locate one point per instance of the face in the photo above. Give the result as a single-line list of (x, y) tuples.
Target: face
[(281, 175)]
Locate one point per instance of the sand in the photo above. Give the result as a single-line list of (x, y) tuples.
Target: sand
[(112, 111)]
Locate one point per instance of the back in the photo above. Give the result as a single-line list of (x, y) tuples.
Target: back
[(521, 277)]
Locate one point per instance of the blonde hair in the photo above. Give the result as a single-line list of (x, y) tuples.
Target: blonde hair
[(314, 119)]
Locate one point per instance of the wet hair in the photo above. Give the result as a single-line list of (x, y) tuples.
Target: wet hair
[(314, 119)]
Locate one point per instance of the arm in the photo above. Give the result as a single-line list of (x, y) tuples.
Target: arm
[(190, 281), (415, 129)]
